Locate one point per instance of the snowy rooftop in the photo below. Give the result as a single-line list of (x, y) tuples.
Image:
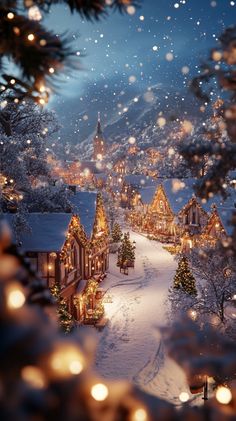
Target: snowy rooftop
[(226, 217), (147, 194), (178, 192), (85, 206), (229, 202), (48, 231)]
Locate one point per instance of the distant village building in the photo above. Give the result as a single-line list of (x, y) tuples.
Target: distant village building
[(99, 146), (120, 167), (174, 214)]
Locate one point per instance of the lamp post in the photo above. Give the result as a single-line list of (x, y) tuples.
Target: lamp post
[(205, 389)]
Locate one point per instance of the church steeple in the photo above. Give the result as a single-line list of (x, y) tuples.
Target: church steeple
[(98, 142), (99, 128)]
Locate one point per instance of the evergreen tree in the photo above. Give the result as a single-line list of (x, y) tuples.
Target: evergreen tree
[(116, 233), (126, 252), (38, 53), (184, 278), (64, 317), (26, 182)]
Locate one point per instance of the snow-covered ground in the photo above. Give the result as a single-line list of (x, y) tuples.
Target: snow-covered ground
[(130, 346)]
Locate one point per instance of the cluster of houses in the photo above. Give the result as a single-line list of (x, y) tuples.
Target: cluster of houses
[(170, 212), (70, 249)]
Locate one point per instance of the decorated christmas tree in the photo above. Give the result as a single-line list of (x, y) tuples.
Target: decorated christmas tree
[(126, 252), (184, 278), (64, 317), (116, 233)]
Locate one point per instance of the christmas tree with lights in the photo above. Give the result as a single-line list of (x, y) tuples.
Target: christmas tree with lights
[(64, 317), (126, 252), (116, 233), (184, 278)]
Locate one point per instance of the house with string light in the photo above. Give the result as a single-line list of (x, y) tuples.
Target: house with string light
[(174, 214), (68, 249)]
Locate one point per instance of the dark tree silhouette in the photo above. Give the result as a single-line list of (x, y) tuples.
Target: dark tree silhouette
[(39, 53)]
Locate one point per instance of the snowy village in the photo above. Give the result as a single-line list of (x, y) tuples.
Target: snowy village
[(118, 210)]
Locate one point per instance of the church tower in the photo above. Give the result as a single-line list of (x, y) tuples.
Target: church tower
[(99, 148)]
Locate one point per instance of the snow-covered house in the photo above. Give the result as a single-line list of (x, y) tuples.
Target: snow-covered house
[(171, 196), (136, 216), (67, 248), (90, 209), (55, 249), (219, 226), (89, 206)]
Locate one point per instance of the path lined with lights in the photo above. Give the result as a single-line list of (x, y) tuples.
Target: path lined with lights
[(130, 345)]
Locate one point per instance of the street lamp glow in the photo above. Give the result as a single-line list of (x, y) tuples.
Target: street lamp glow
[(223, 395), (184, 397)]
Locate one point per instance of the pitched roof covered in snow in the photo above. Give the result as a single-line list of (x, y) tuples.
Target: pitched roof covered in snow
[(85, 207), (48, 231), (178, 192), (147, 194), (217, 200), (226, 215)]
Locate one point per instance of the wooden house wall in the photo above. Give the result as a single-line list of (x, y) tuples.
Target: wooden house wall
[(193, 215)]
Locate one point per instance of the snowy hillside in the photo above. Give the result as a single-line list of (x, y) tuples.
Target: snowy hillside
[(138, 118)]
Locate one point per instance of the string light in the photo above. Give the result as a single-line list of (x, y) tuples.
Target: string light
[(51, 70), (99, 392)]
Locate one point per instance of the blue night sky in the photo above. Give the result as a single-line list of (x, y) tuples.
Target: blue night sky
[(163, 42)]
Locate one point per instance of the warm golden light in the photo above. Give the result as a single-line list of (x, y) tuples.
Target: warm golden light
[(184, 397), (15, 296), (99, 392), (66, 360), (42, 88), (34, 13), (33, 376), (193, 314), (139, 415), (30, 37), (161, 121), (223, 395), (10, 15)]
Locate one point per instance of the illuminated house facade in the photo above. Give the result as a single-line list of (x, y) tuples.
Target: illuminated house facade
[(68, 248), (175, 214)]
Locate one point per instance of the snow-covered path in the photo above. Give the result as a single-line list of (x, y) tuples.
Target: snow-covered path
[(130, 345)]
